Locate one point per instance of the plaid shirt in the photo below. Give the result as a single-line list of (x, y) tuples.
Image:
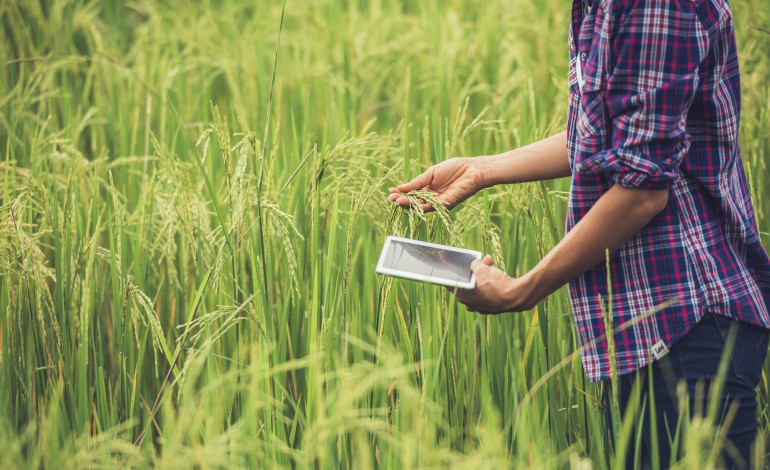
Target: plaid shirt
[(654, 103)]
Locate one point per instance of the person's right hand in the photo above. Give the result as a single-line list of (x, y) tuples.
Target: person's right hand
[(453, 181)]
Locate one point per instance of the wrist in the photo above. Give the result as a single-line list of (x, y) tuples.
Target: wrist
[(489, 170), (527, 290)]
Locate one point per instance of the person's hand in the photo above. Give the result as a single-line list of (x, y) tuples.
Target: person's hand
[(453, 181), (495, 291)]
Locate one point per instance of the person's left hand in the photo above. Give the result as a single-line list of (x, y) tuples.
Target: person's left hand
[(495, 291)]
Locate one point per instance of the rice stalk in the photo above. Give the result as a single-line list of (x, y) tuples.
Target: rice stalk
[(445, 217)]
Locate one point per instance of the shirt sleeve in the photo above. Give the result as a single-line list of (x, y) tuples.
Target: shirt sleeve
[(655, 49)]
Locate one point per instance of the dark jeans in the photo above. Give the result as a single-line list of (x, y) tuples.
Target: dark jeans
[(694, 360)]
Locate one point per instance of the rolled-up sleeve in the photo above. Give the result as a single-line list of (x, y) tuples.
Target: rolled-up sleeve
[(650, 80)]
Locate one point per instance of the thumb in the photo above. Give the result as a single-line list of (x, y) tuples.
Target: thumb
[(487, 260), (477, 265), (418, 182)]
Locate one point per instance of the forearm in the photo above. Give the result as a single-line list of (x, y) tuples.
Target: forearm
[(542, 160), (613, 220)]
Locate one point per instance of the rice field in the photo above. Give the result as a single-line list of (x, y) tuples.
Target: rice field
[(192, 203)]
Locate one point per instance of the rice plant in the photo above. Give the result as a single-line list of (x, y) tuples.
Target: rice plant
[(192, 203)]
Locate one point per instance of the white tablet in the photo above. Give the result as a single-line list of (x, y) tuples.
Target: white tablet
[(428, 262)]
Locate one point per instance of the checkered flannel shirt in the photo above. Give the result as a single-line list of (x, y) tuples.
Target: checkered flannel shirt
[(654, 103)]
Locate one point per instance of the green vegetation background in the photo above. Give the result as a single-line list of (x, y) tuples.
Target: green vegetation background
[(187, 248)]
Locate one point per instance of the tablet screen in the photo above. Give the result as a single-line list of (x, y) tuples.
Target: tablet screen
[(428, 261)]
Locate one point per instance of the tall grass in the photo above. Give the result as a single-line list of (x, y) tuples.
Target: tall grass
[(186, 269)]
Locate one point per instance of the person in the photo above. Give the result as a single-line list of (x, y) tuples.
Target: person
[(660, 225)]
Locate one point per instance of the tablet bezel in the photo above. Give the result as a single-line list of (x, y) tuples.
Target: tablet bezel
[(380, 269)]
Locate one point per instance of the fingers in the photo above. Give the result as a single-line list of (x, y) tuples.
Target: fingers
[(427, 208), (403, 201), (478, 265), (417, 183), (466, 297), (422, 181)]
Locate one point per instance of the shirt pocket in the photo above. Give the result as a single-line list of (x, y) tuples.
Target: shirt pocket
[(590, 56)]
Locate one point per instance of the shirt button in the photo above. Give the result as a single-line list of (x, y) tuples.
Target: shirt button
[(583, 57)]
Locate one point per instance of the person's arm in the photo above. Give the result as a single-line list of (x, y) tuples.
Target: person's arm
[(542, 160), (613, 220), (457, 179)]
